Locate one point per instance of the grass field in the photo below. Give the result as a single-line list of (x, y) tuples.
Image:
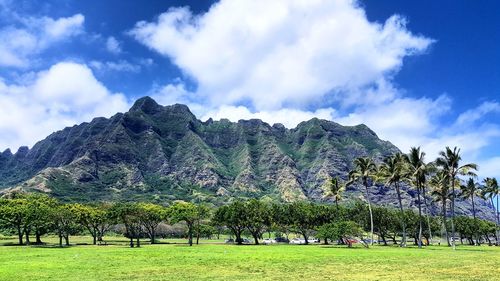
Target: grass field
[(211, 261)]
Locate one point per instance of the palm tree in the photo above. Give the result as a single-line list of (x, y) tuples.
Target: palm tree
[(335, 190), (364, 170), (393, 172), (449, 160), (491, 191), (468, 190), (417, 174), (441, 192)]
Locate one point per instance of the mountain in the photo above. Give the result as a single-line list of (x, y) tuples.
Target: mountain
[(162, 153)]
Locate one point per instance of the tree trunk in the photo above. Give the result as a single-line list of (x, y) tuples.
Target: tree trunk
[(152, 234), (256, 238), (20, 235), (60, 240), (453, 212), (27, 234), (419, 219), (403, 218), (138, 242), (190, 235), (94, 242), (369, 209), (305, 238), (426, 210), (498, 220), (475, 221), (66, 238), (131, 242), (38, 238), (444, 223)]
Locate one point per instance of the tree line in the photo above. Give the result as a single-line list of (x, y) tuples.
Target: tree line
[(34, 214)]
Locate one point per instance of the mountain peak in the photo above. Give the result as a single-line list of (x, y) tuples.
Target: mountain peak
[(147, 105)]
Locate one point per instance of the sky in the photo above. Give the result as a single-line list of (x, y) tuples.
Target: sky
[(419, 73)]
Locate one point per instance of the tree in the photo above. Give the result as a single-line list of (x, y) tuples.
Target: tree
[(150, 216), (418, 171), (344, 229), (65, 216), (468, 191), (128, 214), (449, 161), (491, 191), (14, 214), (393, 171), (232, 216), (258, 217), (304, 218), (335, 190), (39, 216), (94, 218), (441, 192), (189, 213), (364, 171)]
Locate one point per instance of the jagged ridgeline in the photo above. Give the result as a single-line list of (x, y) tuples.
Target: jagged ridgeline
[(164, 152), (161, 153)]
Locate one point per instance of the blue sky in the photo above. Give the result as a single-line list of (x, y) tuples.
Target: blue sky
[(419, 73)]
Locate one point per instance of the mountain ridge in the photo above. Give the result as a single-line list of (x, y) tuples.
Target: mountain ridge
[(156, 153)]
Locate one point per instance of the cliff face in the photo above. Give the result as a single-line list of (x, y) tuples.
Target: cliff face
[(157, 153)]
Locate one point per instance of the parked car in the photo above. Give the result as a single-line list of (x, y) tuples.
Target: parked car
[(313, 240), (281, 240), (298, 241), (230, 240), (268, 241)]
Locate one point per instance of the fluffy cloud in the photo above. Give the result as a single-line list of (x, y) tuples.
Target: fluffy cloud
[(280, 53), (119, 66), (29, 36), (64, 95), (113, 46)]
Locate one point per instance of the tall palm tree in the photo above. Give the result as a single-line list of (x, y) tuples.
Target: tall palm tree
[(491, 191), (393, 171), (364, 171), (441, 192), (335, 190), (468, 190), (418, 171), (449, 160)]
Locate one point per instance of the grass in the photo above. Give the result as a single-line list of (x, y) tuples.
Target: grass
[(212, 261)]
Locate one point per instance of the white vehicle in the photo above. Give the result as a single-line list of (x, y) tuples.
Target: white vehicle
[(268, 241), (298, 241), (313, 240)]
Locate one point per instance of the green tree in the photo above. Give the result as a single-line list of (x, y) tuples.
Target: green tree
[(364, 171), (335, 189), (66, 219), (393, 172), (232, 216), (468, 191), (14, 214), (258, 217), (150, 216), (441, 193), (128, 214), (418, 171), (189, 213), (304, 218), (492, 191), (96, 219), (346, 230), (449, 160)]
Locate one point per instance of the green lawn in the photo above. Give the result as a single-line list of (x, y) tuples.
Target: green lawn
[(211, 261)]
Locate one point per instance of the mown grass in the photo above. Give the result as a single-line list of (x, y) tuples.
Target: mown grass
[(210, 261)]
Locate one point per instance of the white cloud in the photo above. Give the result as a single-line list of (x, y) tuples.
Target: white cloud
[(113, 46), (119, 66), (64, 95), (280, 53), (30, 36), (282, 58)]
